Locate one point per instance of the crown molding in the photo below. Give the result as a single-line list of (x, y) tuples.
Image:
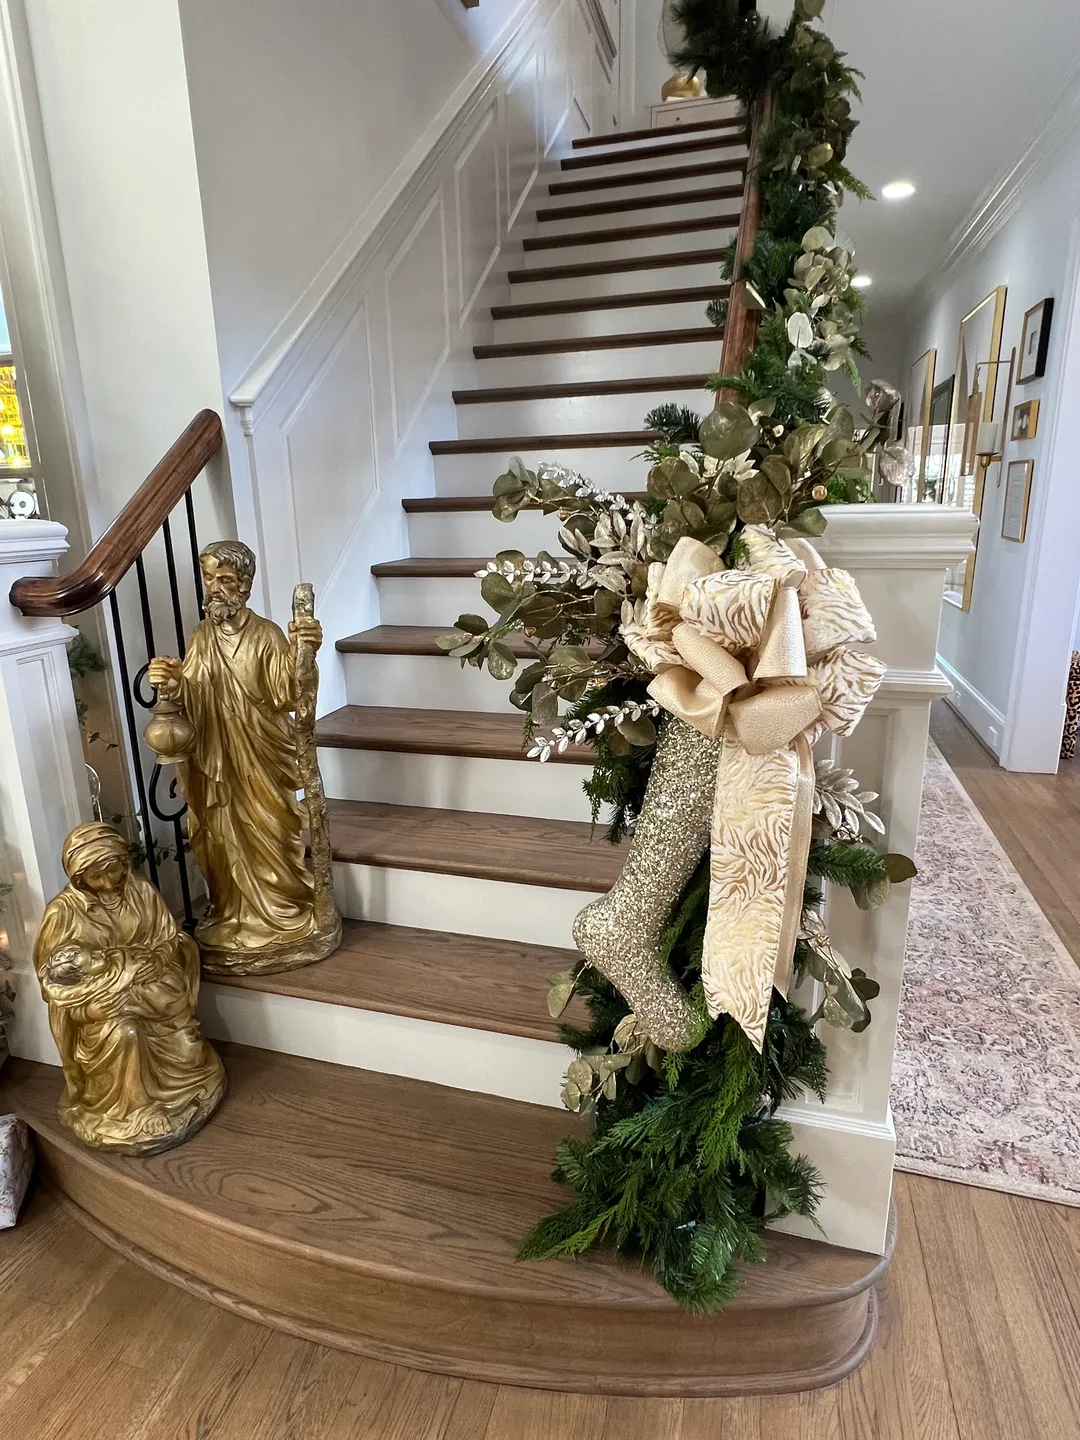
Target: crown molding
[(1000, 201)]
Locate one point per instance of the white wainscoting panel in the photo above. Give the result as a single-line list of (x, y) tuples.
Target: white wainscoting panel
[(329, 433), (330, 443), (478, 197), (417, 314), (521, 126)]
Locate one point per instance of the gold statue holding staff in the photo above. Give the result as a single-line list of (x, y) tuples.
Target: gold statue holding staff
[(225, 716), (121, 981)]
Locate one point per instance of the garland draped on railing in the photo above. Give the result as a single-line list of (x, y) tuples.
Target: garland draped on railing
[(687, 1161)]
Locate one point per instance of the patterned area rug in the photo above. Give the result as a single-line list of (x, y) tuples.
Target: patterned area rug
[(986, 1088)]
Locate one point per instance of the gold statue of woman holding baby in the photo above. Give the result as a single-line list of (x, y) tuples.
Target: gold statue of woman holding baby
[(121, 980)]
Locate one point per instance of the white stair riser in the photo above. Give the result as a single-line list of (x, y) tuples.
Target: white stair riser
[(715, 236), (592, 413), (642, 215), (613, 467), (671, 183), (426, 600), (477, 532), (725, 109), (639, 160), (583, 324), (685, 357), (503, 910), (457, 782), (622, 282), (513, 1066), (425, 682)]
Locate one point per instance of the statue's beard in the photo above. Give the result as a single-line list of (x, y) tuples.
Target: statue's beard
[(219, 610)]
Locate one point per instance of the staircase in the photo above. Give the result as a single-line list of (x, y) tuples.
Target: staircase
[(379, 1208)]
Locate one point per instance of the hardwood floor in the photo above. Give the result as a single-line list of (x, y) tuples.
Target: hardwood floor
[(979, 1340), (1035, 817)]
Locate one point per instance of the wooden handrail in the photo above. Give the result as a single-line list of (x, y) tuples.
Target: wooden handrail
[(740, 330), (130, 533)]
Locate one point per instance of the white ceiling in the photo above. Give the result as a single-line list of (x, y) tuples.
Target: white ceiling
[(954, 92)]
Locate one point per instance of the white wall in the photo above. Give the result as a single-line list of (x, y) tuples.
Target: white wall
[(1008, 655), (308, 119), (331, 432), (118, 134), (652, 67)]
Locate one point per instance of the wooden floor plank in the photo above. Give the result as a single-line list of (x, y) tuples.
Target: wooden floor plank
[(1036, 818), (545, 1415), (903, 1389), (989, 1395), (1044, 1341)]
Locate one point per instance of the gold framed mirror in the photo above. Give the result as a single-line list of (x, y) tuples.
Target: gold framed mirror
[(917, 410), (974, 403)]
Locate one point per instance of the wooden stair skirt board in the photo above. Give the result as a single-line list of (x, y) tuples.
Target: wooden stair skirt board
[(382, 1216)]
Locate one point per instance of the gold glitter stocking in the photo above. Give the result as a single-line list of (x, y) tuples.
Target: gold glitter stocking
[(620, 935)]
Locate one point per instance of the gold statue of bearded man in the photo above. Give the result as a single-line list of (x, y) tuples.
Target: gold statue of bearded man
[(244, 760)]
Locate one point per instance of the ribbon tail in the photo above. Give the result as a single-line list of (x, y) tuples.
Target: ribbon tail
[(802, 820), (760, 843)]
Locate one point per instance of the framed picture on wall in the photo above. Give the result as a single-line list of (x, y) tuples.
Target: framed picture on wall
[(974, 403), (1025, 421), (917, 407), (1036, 342), (1017, 498)]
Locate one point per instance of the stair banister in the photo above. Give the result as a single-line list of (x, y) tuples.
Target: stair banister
[(119, 551)]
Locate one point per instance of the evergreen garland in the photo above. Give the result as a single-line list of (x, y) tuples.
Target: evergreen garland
[(687, 1161)]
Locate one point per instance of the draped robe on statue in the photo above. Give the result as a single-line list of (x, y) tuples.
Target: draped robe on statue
[(137, 1071), (246, 824)]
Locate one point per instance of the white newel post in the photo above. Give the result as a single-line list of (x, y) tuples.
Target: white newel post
[(43, 787), (898, 555)]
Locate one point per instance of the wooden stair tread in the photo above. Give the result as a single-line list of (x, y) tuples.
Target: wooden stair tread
[(657, 152), (507, 444), (441, 567), (631, 232), (586, 268), (572, 389), (674, 296), (634, 339), (649, 177), (392, 1178), (411, 640), (518, 849), (465, 980), (475, 734), (617, 137), (637, 202), (441, 504)]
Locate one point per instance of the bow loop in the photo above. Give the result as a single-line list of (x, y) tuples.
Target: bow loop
[(761, 656)]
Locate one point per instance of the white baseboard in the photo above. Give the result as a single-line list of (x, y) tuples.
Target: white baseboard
[(855, 1159), (984, 719)]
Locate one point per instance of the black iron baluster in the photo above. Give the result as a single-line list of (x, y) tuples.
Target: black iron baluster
[(135, 738), (174, 588), (193, 539)]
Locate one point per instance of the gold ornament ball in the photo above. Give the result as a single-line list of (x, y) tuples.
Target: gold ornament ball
[(819, 492)]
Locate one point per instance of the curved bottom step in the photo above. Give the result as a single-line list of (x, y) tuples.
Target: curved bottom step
[(381, 1216)]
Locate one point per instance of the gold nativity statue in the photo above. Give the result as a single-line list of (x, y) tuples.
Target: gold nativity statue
[(121, 981), (225, 716)]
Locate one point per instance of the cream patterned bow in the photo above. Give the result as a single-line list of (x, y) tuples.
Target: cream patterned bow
[(761, 657)]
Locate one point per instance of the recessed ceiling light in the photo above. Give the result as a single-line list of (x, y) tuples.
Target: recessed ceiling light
[(863, 282), (898, 190)]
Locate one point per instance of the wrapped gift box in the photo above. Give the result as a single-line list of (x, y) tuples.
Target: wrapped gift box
[(16, 1163)]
